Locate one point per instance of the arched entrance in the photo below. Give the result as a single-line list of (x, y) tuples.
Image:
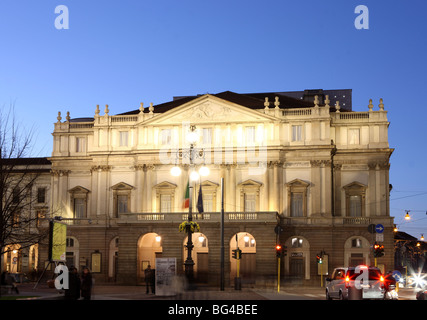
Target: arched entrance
[(200, 256), (113, 256), (247, 264), (72, 253), (149, 248), (297, 260), (12, 258), (356, 251)]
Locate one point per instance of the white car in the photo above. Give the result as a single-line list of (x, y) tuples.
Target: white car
[(361, 282)]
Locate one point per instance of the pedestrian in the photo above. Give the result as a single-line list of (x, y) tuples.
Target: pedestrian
[(12, 281), (86, 287), (149, 279), (73, 291), (8, 280)]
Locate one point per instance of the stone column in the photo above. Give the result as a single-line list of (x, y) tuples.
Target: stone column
[(315, 192), (276, 186)]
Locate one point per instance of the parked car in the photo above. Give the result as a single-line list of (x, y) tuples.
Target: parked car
[(361, 282)]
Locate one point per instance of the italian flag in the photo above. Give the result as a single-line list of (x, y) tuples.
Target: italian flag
[(186, 203)]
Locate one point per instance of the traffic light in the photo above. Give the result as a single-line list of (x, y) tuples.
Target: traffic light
[(279, 251), (378, 250), (319, 258), (236, 254)]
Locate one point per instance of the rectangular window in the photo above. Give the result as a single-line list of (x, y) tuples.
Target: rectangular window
[(79, 208), (166, 137), (250, 202), (165, 203), (353, 136), (355, 206), (124, 136), (207, 136), (41, 195), (207, 202), (122, 204), (297, 133), (80, 144), (250, 135), (297, 204)]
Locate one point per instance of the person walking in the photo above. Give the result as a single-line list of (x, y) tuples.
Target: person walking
[(86, 287)]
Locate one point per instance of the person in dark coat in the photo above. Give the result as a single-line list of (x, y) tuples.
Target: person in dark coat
[(73, 291), (86, 286), (149, 279)]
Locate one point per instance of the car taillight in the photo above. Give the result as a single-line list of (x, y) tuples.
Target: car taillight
[(382, 281), (347, 281)]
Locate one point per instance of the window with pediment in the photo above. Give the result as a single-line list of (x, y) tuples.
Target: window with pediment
[(165, 197), (297, 198), (249, 195), (121, 198), (355, 199), (209, 193), (78, 201)]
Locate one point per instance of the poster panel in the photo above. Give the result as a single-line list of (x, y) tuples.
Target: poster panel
[(165, 274), (58, 241)]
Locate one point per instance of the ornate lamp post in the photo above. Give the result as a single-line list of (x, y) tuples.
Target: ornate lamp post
[(190, 226)]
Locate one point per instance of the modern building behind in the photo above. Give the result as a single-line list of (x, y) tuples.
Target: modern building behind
[(302, 160)]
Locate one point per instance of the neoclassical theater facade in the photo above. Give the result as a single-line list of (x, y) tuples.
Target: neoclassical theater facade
[(304, 161)]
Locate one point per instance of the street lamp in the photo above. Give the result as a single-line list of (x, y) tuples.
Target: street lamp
[(192, 154), (407, 216)]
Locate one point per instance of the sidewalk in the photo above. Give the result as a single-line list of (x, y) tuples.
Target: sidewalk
[(117, 292)]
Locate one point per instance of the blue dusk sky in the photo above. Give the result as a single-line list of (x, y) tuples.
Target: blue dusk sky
[(125, 52)]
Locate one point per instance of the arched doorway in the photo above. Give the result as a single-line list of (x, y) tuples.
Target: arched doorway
[(149, 248), (247, 264), (12, 258), (72, 253), (297, 260), (200, 256), (356, 251), (113, 256), (33, 258)]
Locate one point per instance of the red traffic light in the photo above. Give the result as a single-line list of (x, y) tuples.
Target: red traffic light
[(278, 247)]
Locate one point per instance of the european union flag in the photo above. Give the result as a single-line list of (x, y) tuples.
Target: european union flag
[(200, 200)]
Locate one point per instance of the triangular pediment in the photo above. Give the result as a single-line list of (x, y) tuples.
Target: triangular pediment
[(78, 189), (250, 183), (298, 183), (355, 185), (208, 109), (122, 186), (165, 185), (208, 183)]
